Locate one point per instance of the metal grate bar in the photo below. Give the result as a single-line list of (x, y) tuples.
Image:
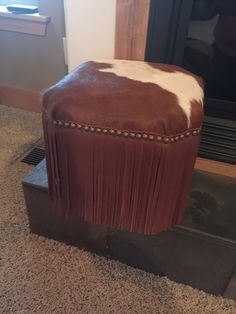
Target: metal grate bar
[(34, 157)]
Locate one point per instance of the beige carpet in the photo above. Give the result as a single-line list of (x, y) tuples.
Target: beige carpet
[(38, 275)]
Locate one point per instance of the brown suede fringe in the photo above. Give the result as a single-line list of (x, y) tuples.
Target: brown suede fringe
[(137, 185)]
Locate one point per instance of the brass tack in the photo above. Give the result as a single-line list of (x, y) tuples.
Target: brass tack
[(126, 134)]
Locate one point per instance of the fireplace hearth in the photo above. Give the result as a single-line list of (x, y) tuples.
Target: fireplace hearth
[(199, 36)]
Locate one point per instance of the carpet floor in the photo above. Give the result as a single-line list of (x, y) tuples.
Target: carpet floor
[(38, 275)]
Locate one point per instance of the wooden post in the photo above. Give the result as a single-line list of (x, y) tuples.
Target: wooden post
[(131, 29)]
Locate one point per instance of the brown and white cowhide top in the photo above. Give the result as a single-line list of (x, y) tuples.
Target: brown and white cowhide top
[(184, 86), (128, 95)]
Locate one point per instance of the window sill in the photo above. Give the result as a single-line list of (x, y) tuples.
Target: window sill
[(33, 24)]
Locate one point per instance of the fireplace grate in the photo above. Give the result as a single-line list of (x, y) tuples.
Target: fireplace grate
[(34, 157), (218, 138)]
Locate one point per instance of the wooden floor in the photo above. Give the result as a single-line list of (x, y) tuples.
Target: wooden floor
[(216, 167)]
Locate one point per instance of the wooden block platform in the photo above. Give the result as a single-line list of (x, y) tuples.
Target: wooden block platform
[(185, 255)]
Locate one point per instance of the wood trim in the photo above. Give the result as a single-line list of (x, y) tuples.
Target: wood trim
[(216, 167), (20, 98), (131, 29), (33, 24)]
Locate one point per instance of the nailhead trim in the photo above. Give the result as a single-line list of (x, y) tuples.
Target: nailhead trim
[(132, 135)]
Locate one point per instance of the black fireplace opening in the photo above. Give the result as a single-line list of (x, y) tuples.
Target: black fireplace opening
[(200, 36)]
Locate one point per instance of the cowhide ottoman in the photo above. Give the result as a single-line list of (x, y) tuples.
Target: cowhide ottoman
[(121, 142)]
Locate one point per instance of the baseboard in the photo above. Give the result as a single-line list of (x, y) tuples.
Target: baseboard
[(20, 98)]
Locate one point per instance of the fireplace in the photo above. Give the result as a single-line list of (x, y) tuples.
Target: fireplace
[(199, 36)]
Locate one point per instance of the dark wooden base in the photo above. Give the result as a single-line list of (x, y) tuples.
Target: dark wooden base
[(186, 256), (43, 220)]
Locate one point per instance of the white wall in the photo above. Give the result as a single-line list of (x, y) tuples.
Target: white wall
[(90, 30)]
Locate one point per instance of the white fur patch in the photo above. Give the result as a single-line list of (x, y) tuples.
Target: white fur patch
[(184, 86)]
